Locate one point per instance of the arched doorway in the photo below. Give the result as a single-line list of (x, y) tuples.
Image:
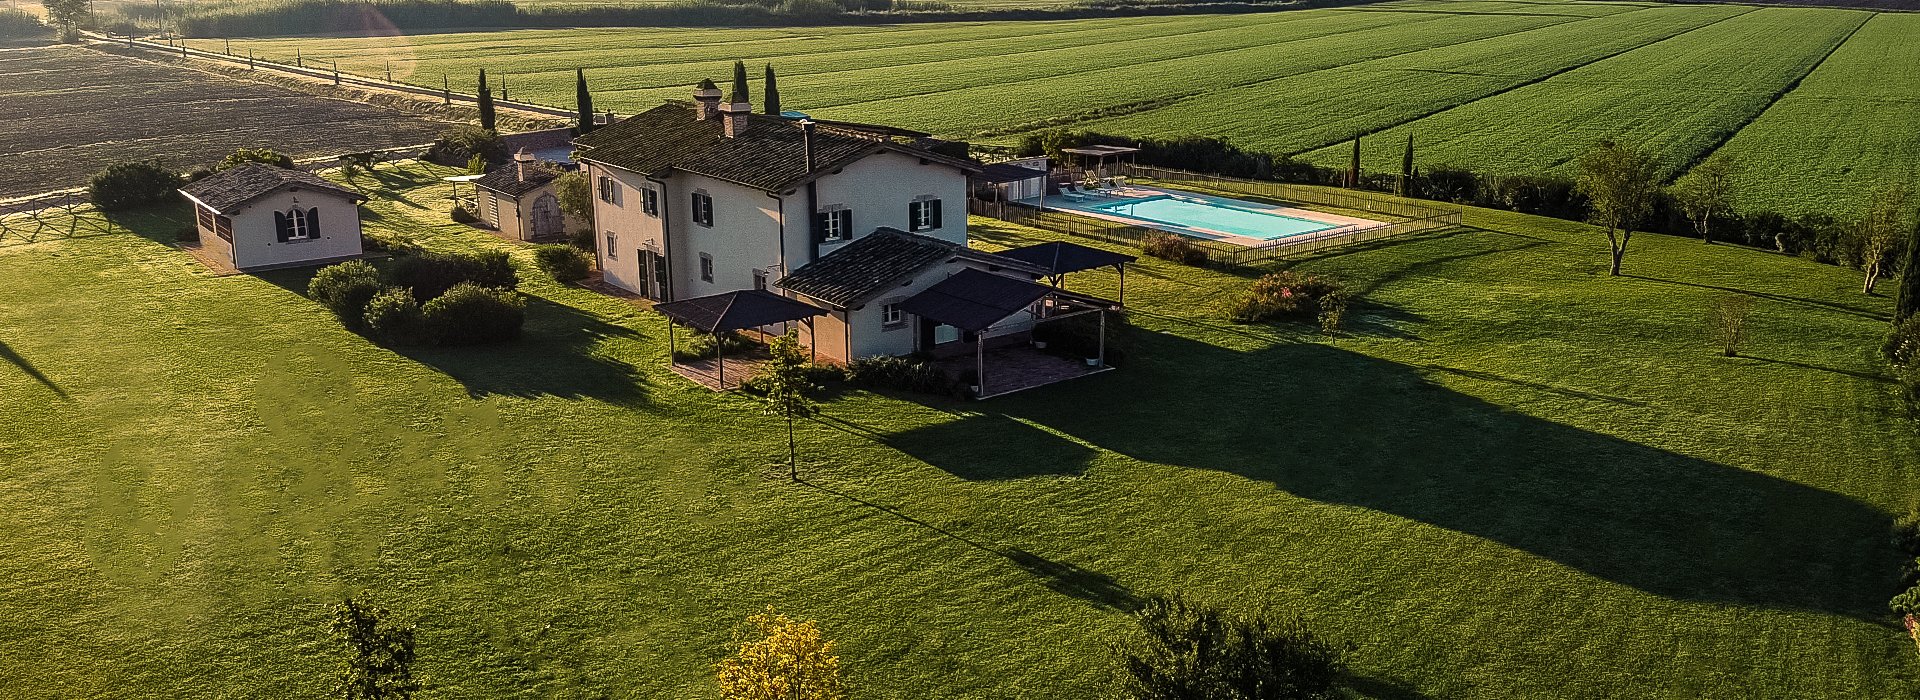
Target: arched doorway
[(544, 219)]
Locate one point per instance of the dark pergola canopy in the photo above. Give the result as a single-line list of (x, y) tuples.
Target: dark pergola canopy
[(971, 300), (732, 311), (1061, 257)]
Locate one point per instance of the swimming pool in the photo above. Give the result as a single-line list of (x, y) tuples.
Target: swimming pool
[(1206, 215)]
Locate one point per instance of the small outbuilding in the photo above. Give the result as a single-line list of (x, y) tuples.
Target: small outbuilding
[(520, 201), (259, 217)]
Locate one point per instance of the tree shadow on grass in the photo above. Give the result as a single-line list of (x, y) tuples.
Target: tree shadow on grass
[(1340, 427), (7, 353), (1782, 298), (1065, 578), (981, 446)]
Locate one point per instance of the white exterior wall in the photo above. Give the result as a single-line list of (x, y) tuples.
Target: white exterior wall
[(254, 243), (516, 215), (631, 228), (878, 189), (744, 235), (870, 337)]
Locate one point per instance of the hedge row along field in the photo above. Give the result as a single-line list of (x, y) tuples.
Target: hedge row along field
[(1496, 86)]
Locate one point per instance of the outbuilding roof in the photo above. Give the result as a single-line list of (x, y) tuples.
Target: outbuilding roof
[(770, 154), (1007, 172), (972, 300), (227, 190), (732, 311), (880, 261), (507, 180)]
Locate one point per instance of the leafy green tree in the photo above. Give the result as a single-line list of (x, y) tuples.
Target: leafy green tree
[(1406, 169), (780, 658), (575, 193), (484, 99), (125, 185), (1620, 184), (1880, 232), (773, 93), (380, 661), (1705, 192), (1190, 651), (583, 99), (1907, 299), (68, 14), (787, 384)]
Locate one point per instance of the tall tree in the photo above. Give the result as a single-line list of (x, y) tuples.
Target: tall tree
[(1907, 299), (582, 99), (1879, 233), (1406, 169), (485, 100), (787, 386), (1705, 192), (67, 14), (381, 663), (1620, 184), (773, 93), (740, 93), (781, 659), (1353, 168)]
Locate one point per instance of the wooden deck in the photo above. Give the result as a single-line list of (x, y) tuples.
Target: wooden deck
[(706, 371)]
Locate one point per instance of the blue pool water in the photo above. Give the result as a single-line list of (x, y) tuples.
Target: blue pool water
[(1202, 214)]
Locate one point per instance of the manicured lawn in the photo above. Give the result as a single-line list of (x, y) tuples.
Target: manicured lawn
[(1516, 477)]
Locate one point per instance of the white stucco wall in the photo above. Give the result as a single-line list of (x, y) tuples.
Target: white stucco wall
[(631, 228), (744, 235), (254, 243), (879, 188)]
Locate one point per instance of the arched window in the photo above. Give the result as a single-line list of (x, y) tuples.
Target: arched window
[(298, 227)]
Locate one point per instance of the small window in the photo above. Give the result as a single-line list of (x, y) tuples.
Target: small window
[(702, 209), (609, 191), (650, 202), (301, 224), (923, 215), (612, 245), (891, 315), (836, 225), (706, 267), (759, 279)]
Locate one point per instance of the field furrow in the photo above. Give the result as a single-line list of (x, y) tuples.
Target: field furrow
[(1848, 129), (1675, 99), (1302, 112)]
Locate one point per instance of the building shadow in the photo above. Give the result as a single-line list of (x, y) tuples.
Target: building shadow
[(981, 447), (1064, 578), (1339, 427), (7, 353)]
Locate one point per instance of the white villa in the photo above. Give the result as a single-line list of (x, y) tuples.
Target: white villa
[(868, 224), (259, 217)]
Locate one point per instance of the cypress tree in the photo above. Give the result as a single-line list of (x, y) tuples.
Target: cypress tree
[(1907, 299), (485, 101), (739, 83), (583, 99), (1406, 168), (773, 93), (1353, 169)]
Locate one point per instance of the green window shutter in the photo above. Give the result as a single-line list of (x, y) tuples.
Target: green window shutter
[(281, 226), (913, 216), (313, 222), (935, 218)]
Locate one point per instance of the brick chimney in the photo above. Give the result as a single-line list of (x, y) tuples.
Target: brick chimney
[(806, 142), (738, 105), (522, 162), (707, 95)]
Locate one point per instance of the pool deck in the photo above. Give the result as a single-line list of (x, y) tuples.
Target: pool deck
[(1084, 203)]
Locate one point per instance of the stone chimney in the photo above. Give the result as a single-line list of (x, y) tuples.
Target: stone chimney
[(522, 163), (738, 105), (707, 95)]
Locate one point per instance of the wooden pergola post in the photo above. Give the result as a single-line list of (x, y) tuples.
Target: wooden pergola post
[(1103, 338), (672, 359), (980, 364), (1122, 267)]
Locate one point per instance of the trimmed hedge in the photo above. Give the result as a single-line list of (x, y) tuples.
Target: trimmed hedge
[(469, 314), (430, 275), (900, 373), (345, 289), (394, 316), (132, 184), (564, 262)]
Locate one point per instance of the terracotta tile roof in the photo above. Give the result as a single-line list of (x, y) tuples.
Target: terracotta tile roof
[(769, 155), (226, 190), (880, 261), (506, 180)]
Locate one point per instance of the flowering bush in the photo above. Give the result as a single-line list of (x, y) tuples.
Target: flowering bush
[(1292, 295), (1167, 246)]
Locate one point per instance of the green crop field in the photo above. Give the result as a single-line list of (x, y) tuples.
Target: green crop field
[(1515, 477), (1816, 101)]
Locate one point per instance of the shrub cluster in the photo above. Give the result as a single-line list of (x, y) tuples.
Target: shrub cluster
[(459, 145), (1175, 247), (1289, 294), (917, 374), (706, 345), (1902, 353), (132, 184), (15, 24), (1906, 605), (564, 262), (437, 298)]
